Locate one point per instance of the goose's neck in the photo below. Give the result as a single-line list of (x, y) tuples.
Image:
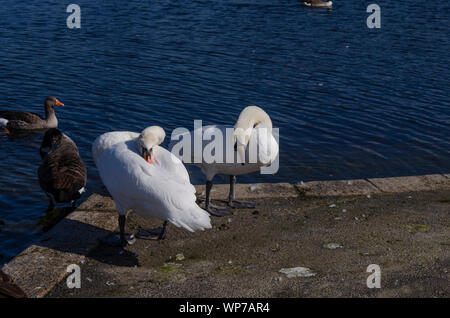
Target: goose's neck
[(50, 116)]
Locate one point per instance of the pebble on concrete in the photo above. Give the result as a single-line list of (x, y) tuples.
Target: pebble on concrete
[(297, 272)]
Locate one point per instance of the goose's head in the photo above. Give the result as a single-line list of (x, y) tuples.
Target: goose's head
[(250, 118), (52, 102), (51, 138), (150, 137)]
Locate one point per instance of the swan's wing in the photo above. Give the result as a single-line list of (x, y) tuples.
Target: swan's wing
[(172, 165), (148, 189), (191, 156), (108, 140)]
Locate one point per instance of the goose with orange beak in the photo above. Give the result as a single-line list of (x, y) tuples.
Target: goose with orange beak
[(16, 121)]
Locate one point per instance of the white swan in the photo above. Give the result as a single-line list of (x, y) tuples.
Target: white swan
[(142, 176), (253, 130)]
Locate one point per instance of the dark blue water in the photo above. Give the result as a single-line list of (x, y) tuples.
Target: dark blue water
[(350, 102)]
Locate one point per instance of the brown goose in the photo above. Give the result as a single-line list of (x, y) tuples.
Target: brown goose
[(62, 174), (14, 121), (317, 3), (8, 289)]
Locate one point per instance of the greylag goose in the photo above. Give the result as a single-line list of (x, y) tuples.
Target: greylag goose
[(14, 121), (8, 289), (318, 3), (62, 174)]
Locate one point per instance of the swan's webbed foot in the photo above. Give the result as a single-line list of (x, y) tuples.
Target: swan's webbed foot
[(200, 200), (154, 234), (235, 204), (118, 241), (218, 210)]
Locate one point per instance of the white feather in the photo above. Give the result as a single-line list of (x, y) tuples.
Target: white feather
[(261, 139), (108, 140), (160, 190), (3, 122)]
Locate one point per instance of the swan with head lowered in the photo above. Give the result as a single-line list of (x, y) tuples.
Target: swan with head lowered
[(146, 178), (16, 121), (252, 132)]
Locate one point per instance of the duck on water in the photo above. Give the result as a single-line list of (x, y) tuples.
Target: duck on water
[(18, 121), (317, 3)]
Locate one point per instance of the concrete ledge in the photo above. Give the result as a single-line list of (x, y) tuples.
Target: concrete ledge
[(251, 191), (374, 185), (412, 183), (99, 203), (37, 269), (338, 187), (43, 265)]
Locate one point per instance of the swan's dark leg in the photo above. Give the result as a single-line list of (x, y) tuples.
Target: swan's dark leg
[(122, 239), (153, 234), (214, 210), (238, 204)]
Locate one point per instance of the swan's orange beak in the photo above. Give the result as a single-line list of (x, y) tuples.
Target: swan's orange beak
[(58, 103), (148, 157), (6, 130)]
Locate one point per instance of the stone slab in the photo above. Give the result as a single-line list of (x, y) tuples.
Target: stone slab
[(411, 183), (337, 187), (42, 265), (250, 191)]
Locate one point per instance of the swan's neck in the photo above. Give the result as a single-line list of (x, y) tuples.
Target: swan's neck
[(254, 117)]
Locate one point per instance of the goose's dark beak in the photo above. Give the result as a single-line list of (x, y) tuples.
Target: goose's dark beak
[(58, 103)]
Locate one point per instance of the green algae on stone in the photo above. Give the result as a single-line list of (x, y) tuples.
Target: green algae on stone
[(169, 268), (52, 217), (171, 272), (417, 227), (229, 270)]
